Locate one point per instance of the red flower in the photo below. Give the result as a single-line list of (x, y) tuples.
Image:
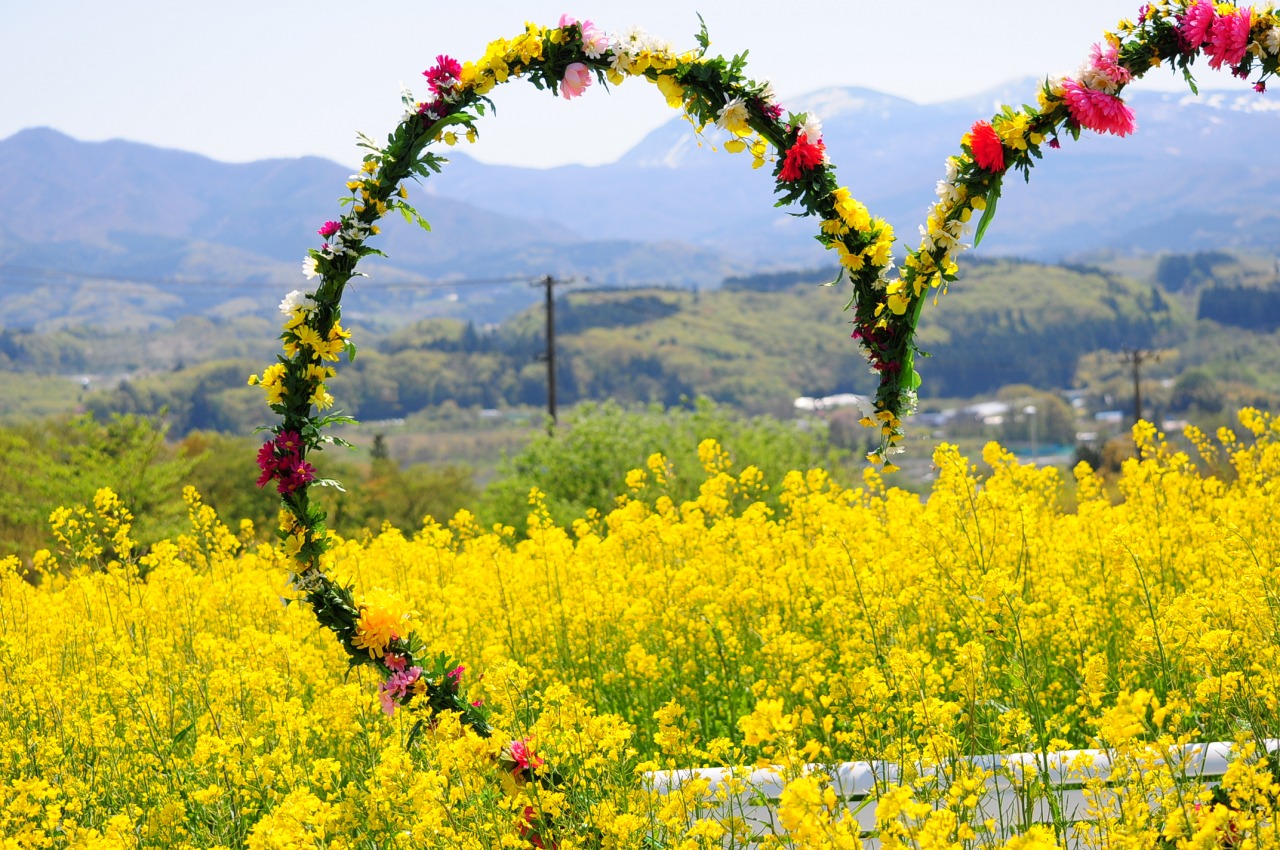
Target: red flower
[(988, 152), (802, 157)]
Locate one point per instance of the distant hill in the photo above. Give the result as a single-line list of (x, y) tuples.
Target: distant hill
[(1196, 176)]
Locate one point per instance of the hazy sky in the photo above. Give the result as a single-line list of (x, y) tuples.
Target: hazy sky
[(247, 79)]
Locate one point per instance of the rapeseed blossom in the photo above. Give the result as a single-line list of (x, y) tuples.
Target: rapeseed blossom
[(178, 703)]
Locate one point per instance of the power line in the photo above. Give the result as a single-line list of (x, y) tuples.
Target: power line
[(14, 276)]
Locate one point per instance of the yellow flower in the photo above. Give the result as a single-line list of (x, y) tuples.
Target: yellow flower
[(671, 90)]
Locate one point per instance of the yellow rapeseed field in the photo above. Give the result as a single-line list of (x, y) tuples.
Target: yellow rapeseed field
[(175, 697)]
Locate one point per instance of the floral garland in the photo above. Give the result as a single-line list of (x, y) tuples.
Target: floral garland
[(375, 628), (1241, 39)]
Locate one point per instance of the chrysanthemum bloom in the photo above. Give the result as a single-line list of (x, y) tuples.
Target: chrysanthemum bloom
[(1229, 38), (801, 157), (988, 152), (376, 629), (733, 117), (1098, 111), (1195, 24), (576, 79), (329, 228)]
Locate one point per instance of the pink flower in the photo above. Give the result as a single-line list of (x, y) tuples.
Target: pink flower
[(1098, 111), (394, 661), (576, 79), (1260, 87), (567, 20), (594, 40), (455, 675), (1229, 38), (988, 152), (396, 688), (801, 157), (1195, 24), (329, 228), (1054, 143), (1106, 63), (521, 757)]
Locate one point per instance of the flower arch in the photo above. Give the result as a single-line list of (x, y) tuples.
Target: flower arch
[(886, 302)]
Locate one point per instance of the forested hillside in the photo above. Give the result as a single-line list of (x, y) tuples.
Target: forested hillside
[(751, 345)]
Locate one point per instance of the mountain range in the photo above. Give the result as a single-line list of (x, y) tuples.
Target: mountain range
[(180, 232)]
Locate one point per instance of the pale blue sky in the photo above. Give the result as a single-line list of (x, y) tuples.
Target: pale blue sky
[(247, 79)]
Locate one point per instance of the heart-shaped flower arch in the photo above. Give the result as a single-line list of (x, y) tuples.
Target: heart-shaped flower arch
[(710, 89)]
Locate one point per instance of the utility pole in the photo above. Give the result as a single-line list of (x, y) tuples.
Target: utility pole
[(1135, 358), (548, 283)]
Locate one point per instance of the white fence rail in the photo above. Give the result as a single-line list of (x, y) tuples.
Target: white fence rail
[(1064, 789)]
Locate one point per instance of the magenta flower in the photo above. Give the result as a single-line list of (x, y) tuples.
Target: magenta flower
[(329, 228), (576, 79), (1260, 87), (1194, 26), (1098, 111), (455, 675), (1229, 38), (444, 76)]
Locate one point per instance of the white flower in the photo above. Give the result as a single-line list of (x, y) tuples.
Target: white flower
[(309, 267), (811, 129), (734, 116), (1271, 40), (767, 95), (926, 240), (621, 60), (948, 192), (295, 299), (953, 169)]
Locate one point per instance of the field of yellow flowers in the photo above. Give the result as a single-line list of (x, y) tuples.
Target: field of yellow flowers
[(175, 697)]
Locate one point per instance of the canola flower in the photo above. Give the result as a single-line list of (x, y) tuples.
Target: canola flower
[(177, 698)]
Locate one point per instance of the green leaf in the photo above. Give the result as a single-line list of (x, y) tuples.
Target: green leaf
[(989, 213), (913, 380)]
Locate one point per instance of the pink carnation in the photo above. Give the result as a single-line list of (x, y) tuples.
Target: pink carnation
[(1098, 111), (576, 79), (1229, 38), (329, 228), (1195, 24)]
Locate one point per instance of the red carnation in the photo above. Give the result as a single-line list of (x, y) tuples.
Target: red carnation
[(986, 147), (801, 157)]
